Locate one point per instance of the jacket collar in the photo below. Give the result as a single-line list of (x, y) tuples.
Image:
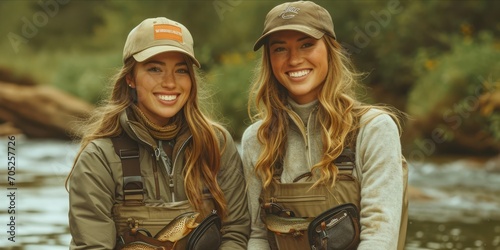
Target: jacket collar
[(139, 133), (302, 116)]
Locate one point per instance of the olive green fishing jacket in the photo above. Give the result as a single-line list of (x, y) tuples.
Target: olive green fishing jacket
[(96, 185)]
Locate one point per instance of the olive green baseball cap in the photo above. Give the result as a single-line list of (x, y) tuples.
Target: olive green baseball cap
[(303, 16), (157, 35)]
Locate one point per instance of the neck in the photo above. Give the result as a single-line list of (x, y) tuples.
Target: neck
[(166, 132)]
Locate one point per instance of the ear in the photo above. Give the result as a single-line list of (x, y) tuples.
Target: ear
[(130, 81)]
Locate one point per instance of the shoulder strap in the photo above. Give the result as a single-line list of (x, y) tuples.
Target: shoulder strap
[(346, 160), (404, 211), (128, 151)]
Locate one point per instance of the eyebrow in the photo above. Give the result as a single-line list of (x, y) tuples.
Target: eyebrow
[(283, 42)]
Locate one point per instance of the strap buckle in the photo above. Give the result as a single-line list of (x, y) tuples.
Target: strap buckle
[(133, 189)]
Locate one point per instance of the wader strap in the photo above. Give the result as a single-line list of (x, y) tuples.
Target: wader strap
[(346, 160), (128, 151)]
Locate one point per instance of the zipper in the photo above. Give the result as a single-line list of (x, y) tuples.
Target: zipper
[(301, 198), (305, 132), (167, 163), (171, 175), (301, 126), (337, 219), (169, 167), (307, 136)]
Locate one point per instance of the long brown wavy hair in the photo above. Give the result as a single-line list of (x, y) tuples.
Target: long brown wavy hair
[(339, 113), (202, 154)]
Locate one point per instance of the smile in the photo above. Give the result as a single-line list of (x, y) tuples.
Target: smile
[(300, 73), (167, 97)]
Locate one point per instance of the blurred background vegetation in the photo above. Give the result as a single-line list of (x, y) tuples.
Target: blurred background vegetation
[(437, 60)]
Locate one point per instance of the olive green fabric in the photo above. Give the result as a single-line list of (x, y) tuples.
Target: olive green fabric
[(306, 202), (96, 186)]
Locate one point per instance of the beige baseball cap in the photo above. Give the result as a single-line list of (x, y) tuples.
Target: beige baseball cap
[(156, 35), (303, 16)]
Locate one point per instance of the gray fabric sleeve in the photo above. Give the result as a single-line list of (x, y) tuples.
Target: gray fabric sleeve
[(250, 151), (378, 154)]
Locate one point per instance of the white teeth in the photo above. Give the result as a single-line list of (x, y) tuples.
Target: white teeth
[(167, 97), (299, 73)]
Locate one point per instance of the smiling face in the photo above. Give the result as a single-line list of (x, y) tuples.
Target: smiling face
[(163, 85), (299, 63)]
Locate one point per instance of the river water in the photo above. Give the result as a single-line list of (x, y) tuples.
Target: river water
[(458, 206)]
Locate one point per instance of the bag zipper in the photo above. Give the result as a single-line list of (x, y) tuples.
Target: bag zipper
[(336, 221), (299, 198)]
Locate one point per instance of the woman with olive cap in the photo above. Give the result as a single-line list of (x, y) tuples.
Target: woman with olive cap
[(183, 156), (306, 115)]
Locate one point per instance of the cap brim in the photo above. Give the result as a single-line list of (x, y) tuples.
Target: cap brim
[(152, 51), (300, 28)]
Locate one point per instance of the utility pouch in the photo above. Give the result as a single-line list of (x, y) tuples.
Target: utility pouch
[(300, 201), (207, 234), (139, 233), (337, 228), (135, 223)]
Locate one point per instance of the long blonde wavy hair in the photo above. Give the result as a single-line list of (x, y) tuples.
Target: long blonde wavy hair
[(339, 114), (202, 154)]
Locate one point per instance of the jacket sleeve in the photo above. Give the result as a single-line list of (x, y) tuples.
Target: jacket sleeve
[(236, 227), (91, 192), (379, 157), (250, 151)]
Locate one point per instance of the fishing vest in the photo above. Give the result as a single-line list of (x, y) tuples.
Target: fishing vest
[(305, 202), (133, 212)]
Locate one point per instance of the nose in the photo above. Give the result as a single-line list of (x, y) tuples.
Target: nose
[(168, 81), (295, 57)]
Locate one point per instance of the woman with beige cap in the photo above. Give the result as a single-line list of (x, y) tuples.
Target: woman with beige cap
[(150, 155), (307, 116)]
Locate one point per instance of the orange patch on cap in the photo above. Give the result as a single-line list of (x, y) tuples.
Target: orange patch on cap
[(167, 31)]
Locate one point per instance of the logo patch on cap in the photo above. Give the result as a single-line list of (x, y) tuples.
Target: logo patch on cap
[(289, 12), (167, 31)]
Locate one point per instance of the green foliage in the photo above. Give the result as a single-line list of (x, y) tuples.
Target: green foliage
[(87, 76), (446, 79), (449, 87), (435, 52), (231, 83), (428, 25)]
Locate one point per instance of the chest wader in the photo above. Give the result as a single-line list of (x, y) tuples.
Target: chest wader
[(133, 216), (297, 198), (404, 210)]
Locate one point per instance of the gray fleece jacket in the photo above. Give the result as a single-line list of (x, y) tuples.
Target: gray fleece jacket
[(378, 159)]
